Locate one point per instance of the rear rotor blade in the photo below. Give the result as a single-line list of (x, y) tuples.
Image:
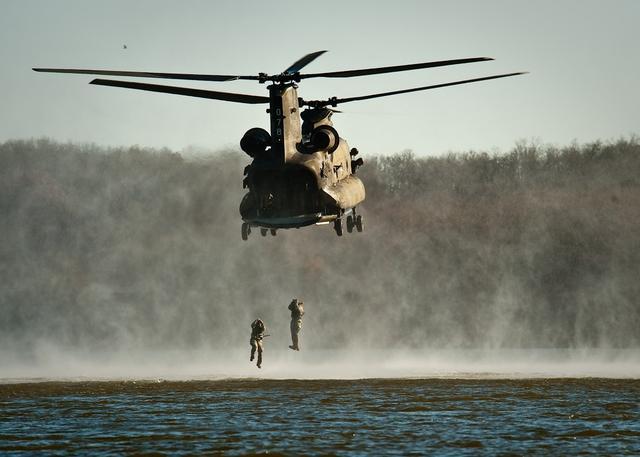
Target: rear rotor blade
[(334, 101), (147, 74), (303, 62), (226, 96), (379, 70)]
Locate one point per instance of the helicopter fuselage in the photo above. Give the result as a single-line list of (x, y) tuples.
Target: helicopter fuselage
[(304, 175)]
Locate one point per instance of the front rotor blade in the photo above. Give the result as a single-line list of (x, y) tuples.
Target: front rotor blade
[(379, 70), (416, 89), (226, 96), (147, 74), (303, 62)]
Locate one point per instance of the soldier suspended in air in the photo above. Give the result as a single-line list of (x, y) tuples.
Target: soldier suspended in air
[(297, 311), (257, 334)]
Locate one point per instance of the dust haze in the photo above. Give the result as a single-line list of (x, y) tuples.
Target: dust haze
[(129, 262)]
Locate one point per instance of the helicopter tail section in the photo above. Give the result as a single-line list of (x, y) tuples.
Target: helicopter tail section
[(280, 193), (285, 120)]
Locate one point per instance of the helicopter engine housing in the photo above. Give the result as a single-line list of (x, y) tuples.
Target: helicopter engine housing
[(322, 138), (325, 138), (255, 141)]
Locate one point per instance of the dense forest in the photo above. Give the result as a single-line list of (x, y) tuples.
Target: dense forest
[(133, 247)]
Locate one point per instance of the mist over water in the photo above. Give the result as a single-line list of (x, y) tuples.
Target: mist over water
[(279, 363), (129, 263)]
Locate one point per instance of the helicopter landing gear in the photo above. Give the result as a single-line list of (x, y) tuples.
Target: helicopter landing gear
[(337, 226), (354, 221), (246, 231), (350, 223)]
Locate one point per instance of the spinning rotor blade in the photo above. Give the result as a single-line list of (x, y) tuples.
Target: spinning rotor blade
[(303, 62), (296, 67), (334, 101), (379, 70), (148, 74), (226, 96)]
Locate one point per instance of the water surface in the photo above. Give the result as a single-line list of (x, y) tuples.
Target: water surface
[(345, 417)]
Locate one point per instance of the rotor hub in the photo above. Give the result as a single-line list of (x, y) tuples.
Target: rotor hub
[(279, 78)]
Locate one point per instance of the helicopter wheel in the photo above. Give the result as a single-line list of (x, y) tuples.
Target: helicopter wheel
[(350, 223), (358, 223), (337, 226), (273, 232), (246, 230), (263, 231)]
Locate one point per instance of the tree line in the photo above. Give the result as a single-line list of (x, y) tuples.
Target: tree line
[(535, 247)]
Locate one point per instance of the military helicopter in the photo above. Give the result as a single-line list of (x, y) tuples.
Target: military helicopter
[(302, 172)]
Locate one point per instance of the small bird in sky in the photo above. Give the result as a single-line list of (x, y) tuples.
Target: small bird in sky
[(124, 46)]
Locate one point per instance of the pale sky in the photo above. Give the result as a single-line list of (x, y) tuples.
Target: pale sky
[(582, 56)]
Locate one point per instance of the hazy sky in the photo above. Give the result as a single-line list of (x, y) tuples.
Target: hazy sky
[(583, 58)]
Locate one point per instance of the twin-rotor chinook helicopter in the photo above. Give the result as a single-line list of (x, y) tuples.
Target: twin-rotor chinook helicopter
[(302, 173)]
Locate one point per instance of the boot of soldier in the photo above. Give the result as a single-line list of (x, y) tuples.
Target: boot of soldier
[(294, 340), (253, 353), (259, 364)]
